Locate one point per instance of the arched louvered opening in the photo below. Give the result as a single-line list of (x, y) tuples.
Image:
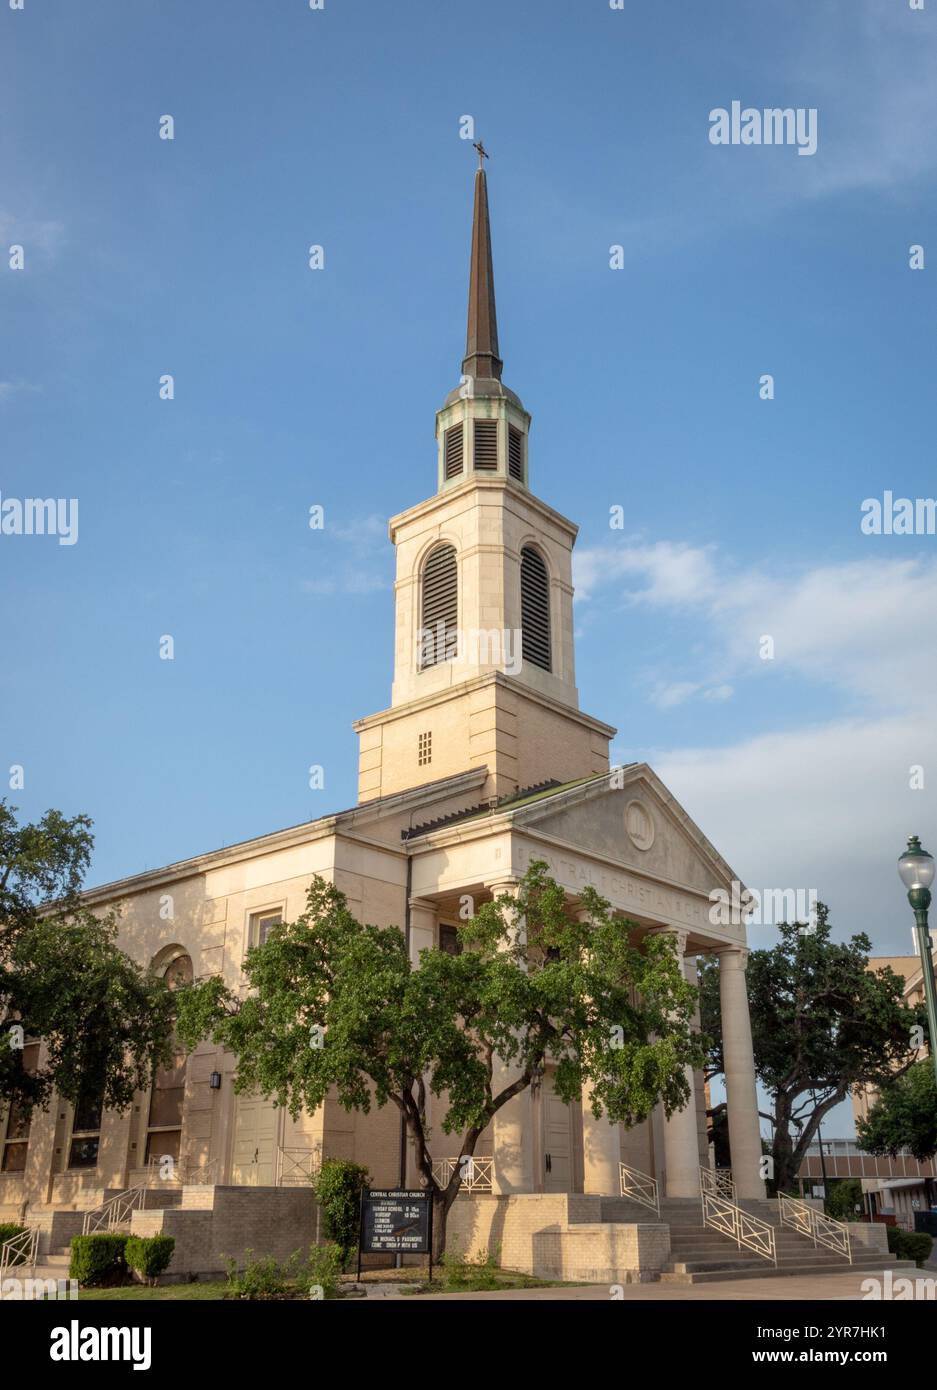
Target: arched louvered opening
[(439, 618), (535, 608)]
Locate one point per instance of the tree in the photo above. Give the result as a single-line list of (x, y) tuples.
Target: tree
[(823, 1025), (903, 1116), (333, 1003), (105, 1022), (843, 1199)]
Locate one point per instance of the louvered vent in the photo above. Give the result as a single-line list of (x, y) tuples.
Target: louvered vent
[(453, 452), (486, 446), (535, 609), (440, 612), (515, 454)]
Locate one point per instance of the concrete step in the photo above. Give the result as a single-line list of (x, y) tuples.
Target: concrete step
[(764, 1270)]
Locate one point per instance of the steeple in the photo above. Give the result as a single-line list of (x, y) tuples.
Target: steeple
[(481, 340)]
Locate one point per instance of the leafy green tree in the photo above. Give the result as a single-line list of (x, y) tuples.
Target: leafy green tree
[(843, 1197), (823, 1026), (105, 1021), (903, 1116), (535, 985)]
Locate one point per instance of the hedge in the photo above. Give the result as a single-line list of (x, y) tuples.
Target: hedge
[(909, 1245), (98, 1259), (149, 1256)]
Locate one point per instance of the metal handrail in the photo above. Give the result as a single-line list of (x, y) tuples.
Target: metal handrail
[(820, 1228), (296, 1167), (732, 1220), (476, 1173), (717, 1182), (20, 1251), (640, 1187), (115, 1212)]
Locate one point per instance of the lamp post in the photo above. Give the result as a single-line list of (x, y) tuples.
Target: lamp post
[(916, 870)]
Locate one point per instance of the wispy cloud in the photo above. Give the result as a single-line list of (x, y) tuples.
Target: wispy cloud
[(356, 558)]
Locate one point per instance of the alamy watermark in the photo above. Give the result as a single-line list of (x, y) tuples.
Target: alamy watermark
[(898, 516), (499, 647), (771, 126), (40, 516), (764, 907)]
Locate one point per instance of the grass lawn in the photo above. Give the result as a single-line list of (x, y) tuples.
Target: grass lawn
[(140, 1293)]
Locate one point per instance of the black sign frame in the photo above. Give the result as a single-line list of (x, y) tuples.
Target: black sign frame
[(371, 1198)]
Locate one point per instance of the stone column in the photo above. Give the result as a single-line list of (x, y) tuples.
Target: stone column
[(601, 1151), (601, 1143), (422, 937), (741, 1095), (512, 1127), (681, 1143)]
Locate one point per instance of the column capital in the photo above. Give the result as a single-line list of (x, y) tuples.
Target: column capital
[(679, 934), (732, 957), (498, 887)]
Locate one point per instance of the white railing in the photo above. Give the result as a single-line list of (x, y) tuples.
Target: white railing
[(821, 1229), (476, 1173), (115, 1212), (20, 1251), (640, 1187), (717, 1182), (297, 1167), (745, 1229)]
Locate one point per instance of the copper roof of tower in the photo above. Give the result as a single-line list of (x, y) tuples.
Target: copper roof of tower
[(481, 339)]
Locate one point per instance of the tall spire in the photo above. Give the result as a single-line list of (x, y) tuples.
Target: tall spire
[(481, 340)]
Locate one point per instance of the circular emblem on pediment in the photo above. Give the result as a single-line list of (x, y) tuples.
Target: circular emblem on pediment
[(638, 825)]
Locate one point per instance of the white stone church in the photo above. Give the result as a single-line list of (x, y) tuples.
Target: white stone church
[(482, 762)]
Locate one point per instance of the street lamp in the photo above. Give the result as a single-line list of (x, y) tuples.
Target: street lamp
[(916, 870)]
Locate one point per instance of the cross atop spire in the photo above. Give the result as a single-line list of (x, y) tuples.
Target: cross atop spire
[(481, 340)]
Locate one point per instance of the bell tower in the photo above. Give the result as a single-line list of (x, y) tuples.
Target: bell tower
[(484, 670)]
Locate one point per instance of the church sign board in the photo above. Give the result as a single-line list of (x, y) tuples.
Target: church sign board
[(395, 1221)]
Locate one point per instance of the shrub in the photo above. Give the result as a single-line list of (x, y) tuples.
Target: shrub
[(98, 1259), (149, 1256), (337, 1186), (909, 1245), (9, 1229), (258, 1279), (323, 1268)]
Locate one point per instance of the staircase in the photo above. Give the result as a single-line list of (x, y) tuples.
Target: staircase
[(701, 1255)]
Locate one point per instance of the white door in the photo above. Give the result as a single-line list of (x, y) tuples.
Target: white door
[(557, 1145), (255, 1142)]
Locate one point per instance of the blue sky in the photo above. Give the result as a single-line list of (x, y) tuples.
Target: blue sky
[(294, 387)]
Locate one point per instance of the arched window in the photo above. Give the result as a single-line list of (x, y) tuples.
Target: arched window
[(535, 608), (164, 1129), (439, 618)]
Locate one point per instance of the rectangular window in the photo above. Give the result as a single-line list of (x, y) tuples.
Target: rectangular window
[(261, 924), (424, 749), (16, 1141), (86, 1130), (449, 940), (486, 446)]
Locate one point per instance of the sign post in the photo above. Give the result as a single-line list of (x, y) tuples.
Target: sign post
[(396, 1221)]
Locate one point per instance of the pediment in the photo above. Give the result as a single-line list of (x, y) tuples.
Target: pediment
[(631, 818)]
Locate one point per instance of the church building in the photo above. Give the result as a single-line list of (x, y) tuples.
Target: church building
[(482, 762)]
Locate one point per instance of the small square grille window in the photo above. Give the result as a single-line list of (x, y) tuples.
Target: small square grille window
[(424, 749), (515, 454), (486, 446)]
